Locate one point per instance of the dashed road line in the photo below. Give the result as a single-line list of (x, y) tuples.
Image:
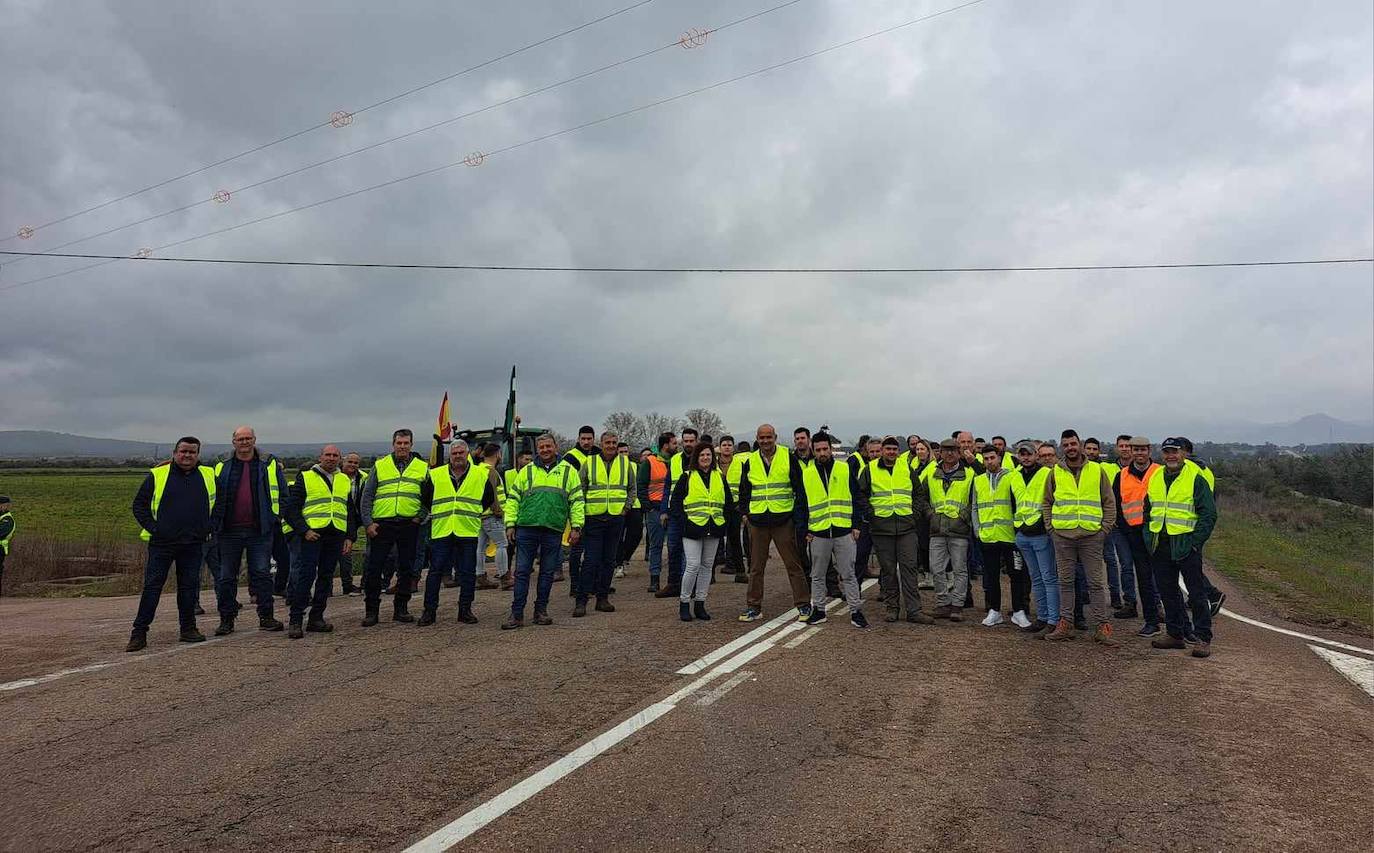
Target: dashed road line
[(802, 637), (715, 693)]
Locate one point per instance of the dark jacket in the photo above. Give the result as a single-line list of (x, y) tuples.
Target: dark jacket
[(226, 486), (294, 505), (771, 519), (183, 515), (893, 525), (943, 525), (698, 531)]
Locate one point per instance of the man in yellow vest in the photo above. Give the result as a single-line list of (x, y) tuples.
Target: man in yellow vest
[(676, 555), (832, 490), (770, 486), (6, 535), (453, 498), (543, 500), (319, 509), (1079, 507), (608, 494), (1092, 448), (887, 496), (352, 469), (1215, 597), (173, 507), (655, 487), (577, 456), (633, 533), (866, 450), (1180, 514), (507, 574), (390, 510), (245, 520), (994, 527), (945, 500), (493, 533)]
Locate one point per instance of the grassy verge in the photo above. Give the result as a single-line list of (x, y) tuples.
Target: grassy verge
[(1309, 561)]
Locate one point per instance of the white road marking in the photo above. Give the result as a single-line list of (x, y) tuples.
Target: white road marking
[(1276, 629), (715, 693), (1360, 671), (802, 637), (96, 667)]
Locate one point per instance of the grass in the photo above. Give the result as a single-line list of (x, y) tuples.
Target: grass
[(74, 505), (1312, 562)]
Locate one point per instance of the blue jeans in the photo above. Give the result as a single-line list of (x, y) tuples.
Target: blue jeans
[(493, 531), (160, 559), (1121, 574), (232, 547), (1038, 554), (574, 565), (314, 565), (452, 554), (601, 547), (530, 542), (677, 558), (653, 537)]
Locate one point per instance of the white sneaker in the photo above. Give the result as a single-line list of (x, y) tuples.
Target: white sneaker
[(620, 572), (994, 618), (1020, 620)]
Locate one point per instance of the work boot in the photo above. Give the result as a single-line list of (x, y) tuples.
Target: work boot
[(200, 611), (699, 611), (684, 611), (138, 640), (267, 623), (1127, 611), (579, 609), (318, 625), (391, 589), (542, 618), (426, 618), (604, 605), (1103, 634), (295, 632), (956, 614), (370, 616), (918, 618), (1202, 650), (465, 615), (1167, 641), (558, 575), (1036, 627), (512, 623), (893, 616), (672, 590), (400, 614), (1080, 624), (653, 584), (1063, 631), (450, 583), (507, 584), (942, 612), (192, 635), (415, 584), (484, 582), (226, 627), (742, 577)]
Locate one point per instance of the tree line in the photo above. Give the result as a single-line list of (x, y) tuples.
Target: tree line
[(1345, 474)]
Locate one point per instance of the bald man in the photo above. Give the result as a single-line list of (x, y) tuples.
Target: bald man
[(770, 488), (246, 514), (320, 506)]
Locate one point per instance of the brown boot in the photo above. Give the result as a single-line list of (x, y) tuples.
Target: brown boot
[(507, 583), (1103, 634), (942, 612), (1164, 641), (1202, 650), (485, 582), (1062, 631), (916, 617), (956, 614)]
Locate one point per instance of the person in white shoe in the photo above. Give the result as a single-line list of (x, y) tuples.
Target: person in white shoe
[(994, 509), (831, 492)]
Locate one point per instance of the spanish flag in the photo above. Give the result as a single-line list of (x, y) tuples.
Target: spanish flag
[(443, 434)]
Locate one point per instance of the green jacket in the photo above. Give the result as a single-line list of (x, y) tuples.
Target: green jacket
[(1204, 504), (549, 498)]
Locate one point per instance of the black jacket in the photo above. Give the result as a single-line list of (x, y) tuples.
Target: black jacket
[(183, 515), (698, 531), (772, 519), (294, 504)]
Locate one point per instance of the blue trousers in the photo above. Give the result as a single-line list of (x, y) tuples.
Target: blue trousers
[(1120, 567), (232, 548), (531, 542), (1037, 552), (677, 558), (601, 548), (653, 539), (314, 566), (450, 555), (187, 558)]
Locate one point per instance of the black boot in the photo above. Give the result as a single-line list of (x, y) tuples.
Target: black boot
[(226, 627), (604, 605), (191, 635), (267, 623), (370, 616), (699, 610), (426, 618), (318, 625), (684, 611), (295, 631), (465, 615), (580, 608), (138, 640), (401, 614), (653, 584)]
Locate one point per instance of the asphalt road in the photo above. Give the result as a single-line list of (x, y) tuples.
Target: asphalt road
[(899, 738)]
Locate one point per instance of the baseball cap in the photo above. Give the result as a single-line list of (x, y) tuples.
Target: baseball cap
[(1172, 444)]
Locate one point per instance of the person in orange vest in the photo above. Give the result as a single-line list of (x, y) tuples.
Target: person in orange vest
[(653, 475), (1129, 490)]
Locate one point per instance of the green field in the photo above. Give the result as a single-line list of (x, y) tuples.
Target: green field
[(73, 505), (1312, 562)]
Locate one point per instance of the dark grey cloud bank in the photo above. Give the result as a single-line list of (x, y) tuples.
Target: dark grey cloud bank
[(1006, 133)]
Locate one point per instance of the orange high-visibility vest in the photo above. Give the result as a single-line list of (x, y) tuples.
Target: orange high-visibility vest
[(1133, 494), (658, 475)]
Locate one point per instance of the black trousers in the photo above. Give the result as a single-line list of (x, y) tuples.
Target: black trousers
[(2, 572), (998, 558), (402, 535), (281, 555), (629, 540)]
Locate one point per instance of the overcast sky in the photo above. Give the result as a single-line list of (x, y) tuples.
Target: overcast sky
[(1004, 134)]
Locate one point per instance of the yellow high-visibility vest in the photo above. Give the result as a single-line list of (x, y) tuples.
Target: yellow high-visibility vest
[(1077, 503), (1173, 510), (398, 492), (828, 507), (325, 507), (160, 474), (456, 512)]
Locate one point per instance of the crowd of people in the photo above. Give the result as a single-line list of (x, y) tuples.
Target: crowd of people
[(1082, 540)]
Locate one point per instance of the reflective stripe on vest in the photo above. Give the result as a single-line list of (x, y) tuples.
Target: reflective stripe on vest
[(1173, 510), (273, 490), (832, 506), (733, 473), (891, 490), (5, 543), (1077, 503), (1029, 496), (770, 489), (398, 492), (1133, 491), (500, 491), (607, 485), (1206, 473), (948, 503), (994, 521), (704, 503), (160, 474), (325, 506), (456, 512), (634, 483)]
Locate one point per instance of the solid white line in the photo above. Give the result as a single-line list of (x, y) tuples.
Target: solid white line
[(1359, 671), (96, 667), (715, 693), (802, 637), (1276, 629)]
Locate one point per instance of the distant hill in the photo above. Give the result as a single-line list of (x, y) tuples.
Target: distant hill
[(38, 444)]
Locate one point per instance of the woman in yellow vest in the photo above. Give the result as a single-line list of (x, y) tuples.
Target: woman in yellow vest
[(703, 501)]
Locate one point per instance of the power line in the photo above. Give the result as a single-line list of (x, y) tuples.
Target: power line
[(328, 122), (547, 136), (722, 269), (411, 133)]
